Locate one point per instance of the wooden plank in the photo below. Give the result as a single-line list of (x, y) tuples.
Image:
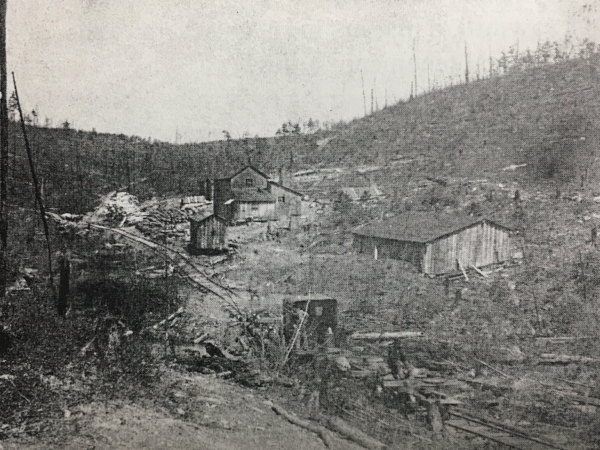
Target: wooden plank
[(462, 269), (408, 384), (373, 336), (478, 271)]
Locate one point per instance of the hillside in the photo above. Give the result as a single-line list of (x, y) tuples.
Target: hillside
[(469, 148), (536, 116), (76, 166), (545, 116)]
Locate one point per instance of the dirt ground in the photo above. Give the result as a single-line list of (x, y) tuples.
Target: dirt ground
[(201, 412)]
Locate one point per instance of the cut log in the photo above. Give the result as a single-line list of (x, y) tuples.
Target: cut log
[(351, 433), (385, 335), (320, 431)]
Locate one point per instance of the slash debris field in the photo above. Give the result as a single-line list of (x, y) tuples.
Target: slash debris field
[(163, 348)]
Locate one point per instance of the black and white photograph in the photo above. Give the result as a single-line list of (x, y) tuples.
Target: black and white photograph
[(299, 224)]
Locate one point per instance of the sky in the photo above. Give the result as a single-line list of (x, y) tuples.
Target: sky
[(157, 68)]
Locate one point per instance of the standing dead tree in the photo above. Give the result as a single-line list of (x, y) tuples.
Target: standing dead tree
[(363, 91), (466, 65), (415, 63)]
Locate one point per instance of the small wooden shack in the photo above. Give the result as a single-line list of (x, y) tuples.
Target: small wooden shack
[(436, 243), (319, 326), (207, 234)]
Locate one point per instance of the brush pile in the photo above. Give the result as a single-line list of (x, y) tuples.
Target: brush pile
[(153, 217)]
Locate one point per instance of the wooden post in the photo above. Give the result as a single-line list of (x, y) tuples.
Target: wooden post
[(434, 417), (63, 289)]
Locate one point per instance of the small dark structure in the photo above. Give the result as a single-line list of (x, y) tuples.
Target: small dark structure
[(436, 243), (207, 234), (319, 326)]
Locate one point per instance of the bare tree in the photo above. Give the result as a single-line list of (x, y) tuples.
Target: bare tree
[(363, 91), (415, 63)]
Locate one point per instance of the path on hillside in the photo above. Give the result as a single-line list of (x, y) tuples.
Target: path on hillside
[(200, 412)]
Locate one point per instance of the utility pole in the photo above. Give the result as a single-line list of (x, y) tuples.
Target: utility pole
[(3, 150)]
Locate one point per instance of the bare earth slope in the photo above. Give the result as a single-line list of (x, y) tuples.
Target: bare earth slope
[(218, 415)]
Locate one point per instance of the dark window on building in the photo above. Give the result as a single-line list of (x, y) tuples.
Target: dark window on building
[(281, 199), (249, 182), (254, 207)]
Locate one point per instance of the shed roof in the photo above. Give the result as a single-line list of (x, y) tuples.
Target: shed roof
[(252, 195), (202, 217), (292, 191), (420, 226)]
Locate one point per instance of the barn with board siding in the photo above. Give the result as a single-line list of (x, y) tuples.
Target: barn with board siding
[(207, 234), (436, 243)]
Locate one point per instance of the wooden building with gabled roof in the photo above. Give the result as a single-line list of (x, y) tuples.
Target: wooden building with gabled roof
[(249, 194), (436, 243)]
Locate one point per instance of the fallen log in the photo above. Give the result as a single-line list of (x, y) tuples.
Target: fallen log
[(585, 400), (501, 426), (552, 358), (386, 335), (322, 432), (516, 442), (351, 433), (562, 339), (491, 367)]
